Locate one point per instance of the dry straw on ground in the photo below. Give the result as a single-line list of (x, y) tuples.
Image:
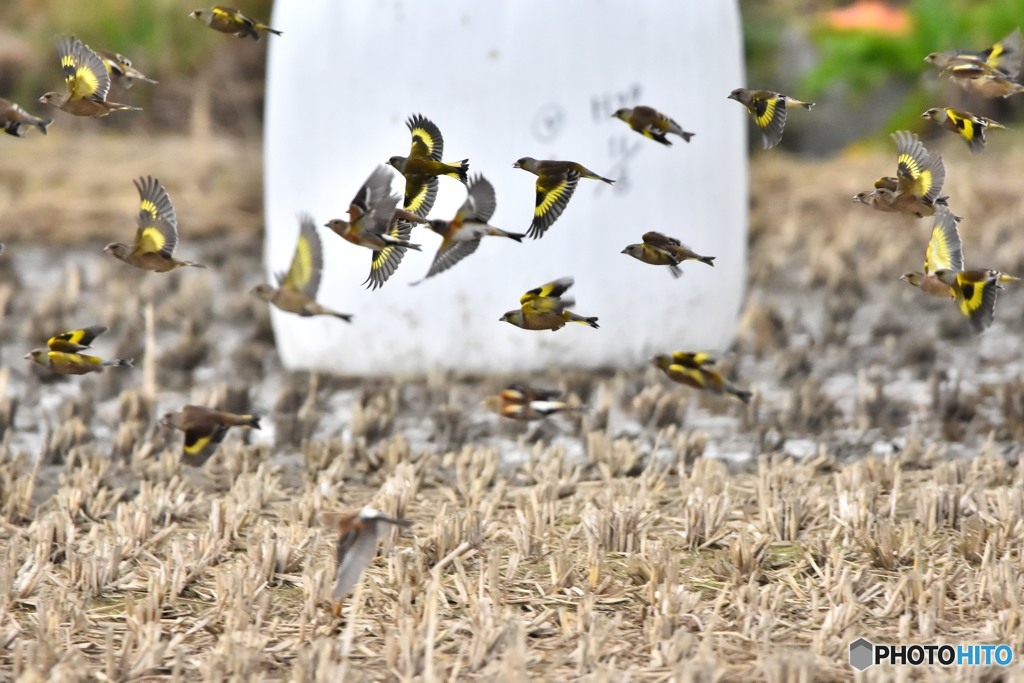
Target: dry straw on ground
[(871, 489)]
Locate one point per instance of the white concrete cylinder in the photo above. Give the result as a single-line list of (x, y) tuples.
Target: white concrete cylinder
[(504, 79)]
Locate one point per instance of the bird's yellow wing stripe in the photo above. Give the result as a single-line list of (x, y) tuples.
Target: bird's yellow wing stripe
[(764, 118), (82, 81), (945, 249), (79, 359), (196, 444), (301, 269), (546, 198), (149, 240), (696, 376)]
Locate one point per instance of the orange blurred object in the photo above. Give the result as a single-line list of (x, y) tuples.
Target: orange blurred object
[(870, 15)]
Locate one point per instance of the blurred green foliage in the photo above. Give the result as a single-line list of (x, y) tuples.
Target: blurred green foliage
[(864, 59)]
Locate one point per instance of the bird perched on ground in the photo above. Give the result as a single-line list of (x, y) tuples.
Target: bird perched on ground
[(989, 73), (229, 20), (423, 165), (970, 127), (692, 369), (120, 68), (87, 82), (157, 234), (204, 429), (651, 123), (975, 292), (543, 308), (463, 233), (768, 110), (296, 290), (359, 533), (918, 182), (556, 182), (944, 252), (16, 121), (662, 250), (374, 222), (62, 355), (521, 402)]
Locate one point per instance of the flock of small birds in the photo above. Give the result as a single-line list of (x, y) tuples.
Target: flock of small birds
[(376, 221)]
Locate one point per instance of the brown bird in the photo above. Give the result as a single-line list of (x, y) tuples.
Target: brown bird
[(976, 292), (359, 533), (651, 123), (691, 369), (968, 126), (944, 252), (230, 20), (521, 402), (16, 121), (423, 165), (991, 72), (768, 110), (918, 182), (87, 82), (157, 234), (204, 429), (463, 233), (662, 250), (375, 222), (556, 182), (120, 68), (62, 356), (543, 308), (296, 290)]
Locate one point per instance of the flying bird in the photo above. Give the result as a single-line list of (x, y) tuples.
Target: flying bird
[(944, 252), (652, 124), (543, 308), (120, 68), (16, 121), (992, 72), (86, 80), (157, 233), (63, 356), (296, 289), (359, 533), (692, 369), (375, 222), (661, 250), (204, 429), (423, 165), (768, 110), (230, 20), (463, 233), (521, 402), (915, 188), (968, 126), (556, 182)]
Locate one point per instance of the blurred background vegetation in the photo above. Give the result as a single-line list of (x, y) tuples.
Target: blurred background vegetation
[(860, 60), (198, 69)]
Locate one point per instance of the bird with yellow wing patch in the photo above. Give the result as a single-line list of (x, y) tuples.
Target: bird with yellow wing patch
[(204, 429), (915, 188), (556, 183), (976, 292), (63, 356), (121, 70), (232, 21), (968, 126), (87, 82), (768, 109), (157, 233), (423, 166), (661, 250), (463, 233), (543, 308), (652, 124), (992, 72), (944, 252), (375, 222), (296, 290), (691, 369)]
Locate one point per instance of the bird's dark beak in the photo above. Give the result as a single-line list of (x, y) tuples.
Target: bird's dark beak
[(624, 250)]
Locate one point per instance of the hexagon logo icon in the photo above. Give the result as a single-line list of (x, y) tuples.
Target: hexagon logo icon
[(861, 654)]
